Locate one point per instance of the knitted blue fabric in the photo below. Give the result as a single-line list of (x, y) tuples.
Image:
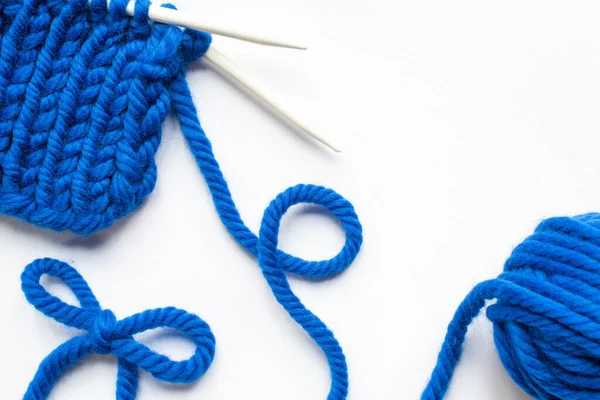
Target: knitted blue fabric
[(545, 314), (83, 94), (107, 335)]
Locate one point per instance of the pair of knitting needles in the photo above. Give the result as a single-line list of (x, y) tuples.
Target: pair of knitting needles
[(228, 68)]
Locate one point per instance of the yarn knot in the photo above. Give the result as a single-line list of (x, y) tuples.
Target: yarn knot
[(102, 332), (107, 335), (546, 314)]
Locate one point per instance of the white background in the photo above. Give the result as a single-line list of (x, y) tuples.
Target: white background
[(463, 124)]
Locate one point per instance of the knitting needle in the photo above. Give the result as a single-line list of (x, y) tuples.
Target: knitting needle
[(227, 67), (192, 21)]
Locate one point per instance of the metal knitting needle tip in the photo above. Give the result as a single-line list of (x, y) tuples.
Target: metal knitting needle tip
[(191, 21), (225, 66)]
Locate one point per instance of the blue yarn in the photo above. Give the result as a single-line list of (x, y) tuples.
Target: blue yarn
[(83, 95), (274, 262), (106, 335), (545, 314)]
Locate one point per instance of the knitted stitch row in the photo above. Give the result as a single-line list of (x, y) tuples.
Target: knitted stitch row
[(84, 91)]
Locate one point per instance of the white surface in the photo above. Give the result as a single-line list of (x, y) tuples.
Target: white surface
[(223, 64), (463, 125)]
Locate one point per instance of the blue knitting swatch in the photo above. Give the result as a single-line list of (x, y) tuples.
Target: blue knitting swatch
[(84, 91), (83, 95), (546, 314), (106, 335)]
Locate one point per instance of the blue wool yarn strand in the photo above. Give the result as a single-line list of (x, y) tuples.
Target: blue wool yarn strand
[(106, 335), (273, 261), (545, 314)]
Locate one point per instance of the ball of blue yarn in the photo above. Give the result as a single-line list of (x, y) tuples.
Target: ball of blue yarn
[(545, 312)]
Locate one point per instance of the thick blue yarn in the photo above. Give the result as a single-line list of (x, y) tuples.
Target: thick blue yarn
[(83, 95), (273, 261), (106, 335), (545, 312)]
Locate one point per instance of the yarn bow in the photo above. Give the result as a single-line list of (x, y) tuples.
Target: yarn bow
[(107, 335)]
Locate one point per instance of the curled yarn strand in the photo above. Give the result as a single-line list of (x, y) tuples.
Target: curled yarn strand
[(545, 314), (106, 335), (273, 261)]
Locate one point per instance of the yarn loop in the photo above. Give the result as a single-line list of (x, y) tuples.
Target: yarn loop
[(546, 314), (266, 245), (107, 335)]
